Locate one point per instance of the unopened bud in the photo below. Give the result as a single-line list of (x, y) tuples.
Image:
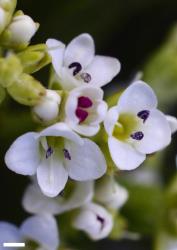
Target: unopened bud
[(34, 58), (27, 90), (7, 8), (48, 108), (20, 31), (10, 70)]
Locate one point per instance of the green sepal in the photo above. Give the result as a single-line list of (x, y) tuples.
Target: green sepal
[(26, 90), (34, 58)]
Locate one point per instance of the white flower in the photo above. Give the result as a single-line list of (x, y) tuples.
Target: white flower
[(55, 154), (85, 109), (40, 228), (94, 220), (172, 122), (48, 108), (110, 193), (22, 29), (34, 201), (135, 127), (77, 64)]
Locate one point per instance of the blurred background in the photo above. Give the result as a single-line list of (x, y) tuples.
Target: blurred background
[(142, 34)]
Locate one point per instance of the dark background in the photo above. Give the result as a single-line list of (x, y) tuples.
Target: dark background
[(127, 29)]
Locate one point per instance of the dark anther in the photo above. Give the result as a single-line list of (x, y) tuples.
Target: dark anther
[(66, 154), (49, 152), (86, 77), (144, 114), (77, 67), (101, 220), (137, 136)]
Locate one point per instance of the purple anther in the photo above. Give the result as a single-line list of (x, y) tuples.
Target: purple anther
[(66, 154), (49, 152), (101, 220), (144, 114), (77, 67), (84, 102), (81, 114), (137, 136), (86, 77)]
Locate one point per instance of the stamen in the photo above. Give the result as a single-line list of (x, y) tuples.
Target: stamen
[(49, 152), (101, 220), (137, 136), (77, 67), (81, 114), (144, 114), (66, 154), (84, 102), (86, 77)]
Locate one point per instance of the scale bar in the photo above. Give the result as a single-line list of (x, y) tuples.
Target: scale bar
[(13, 244)]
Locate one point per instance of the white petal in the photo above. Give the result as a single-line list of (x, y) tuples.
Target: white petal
[(137, 97), (87, 130), (34, 201), (110, 120), (124, 155), (172, 122), (23, 155), (56, 50), (102, 70), (68, 81), (51, 175), (9, 234), (110, 193), (89, 220), (61, 129), (81, 49), (87, 161), (42, 229), (157, 133), (81, 195)]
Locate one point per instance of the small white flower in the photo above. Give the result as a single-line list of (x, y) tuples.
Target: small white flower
[(94, 220), (48, 108), (22, 29), (85, 110), (135, 127), (41, 229), (110, 193), (34, 201), (55, 154), (77, 64)]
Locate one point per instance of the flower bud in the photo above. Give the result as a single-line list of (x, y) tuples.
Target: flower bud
[(7, 8), (48, 107), (26, 90), (10, 70), (34, 58), (20, 31), (110, 193), (94, 220)]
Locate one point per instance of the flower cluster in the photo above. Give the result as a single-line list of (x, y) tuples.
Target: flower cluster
[(83, 141)]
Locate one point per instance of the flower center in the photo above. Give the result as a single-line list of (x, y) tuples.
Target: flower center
[(101, 220), (126, 124), (49, 152), (137, 136), (144, 114), (77, 67), (84, 102), (66, 154)]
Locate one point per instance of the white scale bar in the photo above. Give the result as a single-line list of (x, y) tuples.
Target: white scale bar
[(13, 244)]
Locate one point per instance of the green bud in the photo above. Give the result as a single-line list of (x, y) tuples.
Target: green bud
[(10, 70), (19, 32), (26, 90), (34, 58), (7, 8)]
